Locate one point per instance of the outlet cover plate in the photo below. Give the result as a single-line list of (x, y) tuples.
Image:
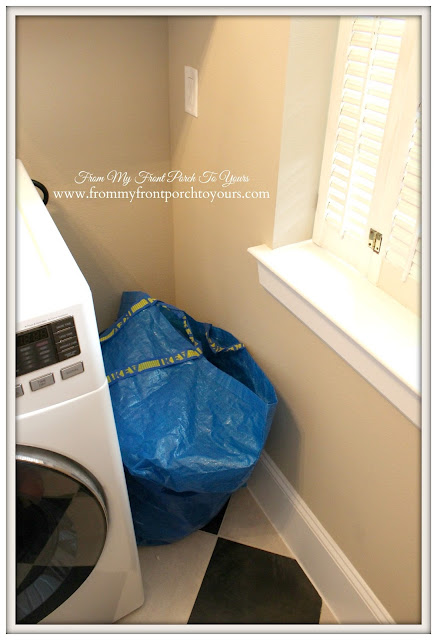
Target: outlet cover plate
[(191, 90)]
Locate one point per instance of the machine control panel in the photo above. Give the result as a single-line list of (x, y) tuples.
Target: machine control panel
[(45, 345)]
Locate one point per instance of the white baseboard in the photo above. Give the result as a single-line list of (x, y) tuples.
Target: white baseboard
[(338, 582)]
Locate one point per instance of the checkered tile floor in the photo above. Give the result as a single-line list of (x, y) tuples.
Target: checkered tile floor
[(236, 570)]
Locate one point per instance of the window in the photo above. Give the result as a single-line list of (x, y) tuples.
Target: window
[(370, 179), (371, 169)]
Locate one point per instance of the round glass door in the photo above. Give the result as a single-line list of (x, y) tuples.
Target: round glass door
[(61, 524)]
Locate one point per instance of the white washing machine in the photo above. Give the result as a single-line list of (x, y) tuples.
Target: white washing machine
[(77, 561)]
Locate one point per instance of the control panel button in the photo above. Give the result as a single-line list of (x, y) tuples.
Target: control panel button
[(19, 390), (72, 370), (66, 342), (28, 360), (65, 323), (26, 349), (41, 382), (70, 332), (69, 352)]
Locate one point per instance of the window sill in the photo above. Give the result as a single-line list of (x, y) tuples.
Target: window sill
[(372, 332)]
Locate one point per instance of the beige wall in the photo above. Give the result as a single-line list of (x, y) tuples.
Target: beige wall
[(351, 456), (92, 95)]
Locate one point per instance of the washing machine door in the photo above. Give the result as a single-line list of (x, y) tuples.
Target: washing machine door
[(61, 526)]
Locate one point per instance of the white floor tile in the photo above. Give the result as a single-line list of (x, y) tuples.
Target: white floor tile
[(172, 575), (246, 523)]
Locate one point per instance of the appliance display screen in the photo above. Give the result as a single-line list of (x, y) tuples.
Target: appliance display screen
[(29, 337)]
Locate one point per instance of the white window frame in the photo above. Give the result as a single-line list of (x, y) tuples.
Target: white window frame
[(370, 330)]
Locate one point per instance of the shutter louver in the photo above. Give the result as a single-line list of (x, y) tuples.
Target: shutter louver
[(370, 70), (404, 244)]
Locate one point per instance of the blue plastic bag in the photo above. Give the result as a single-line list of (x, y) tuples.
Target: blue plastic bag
[(192, 410)]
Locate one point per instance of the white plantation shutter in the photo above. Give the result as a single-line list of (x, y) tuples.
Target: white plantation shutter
[(371, 161), (404, 243), (371, 63)]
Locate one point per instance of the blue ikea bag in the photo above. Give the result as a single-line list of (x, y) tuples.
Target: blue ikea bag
[(192, 410)]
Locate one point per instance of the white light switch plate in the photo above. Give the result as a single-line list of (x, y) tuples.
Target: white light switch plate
[(191, 89)]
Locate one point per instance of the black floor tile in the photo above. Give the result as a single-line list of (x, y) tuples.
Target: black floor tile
[(244, 585), (213, 525)]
